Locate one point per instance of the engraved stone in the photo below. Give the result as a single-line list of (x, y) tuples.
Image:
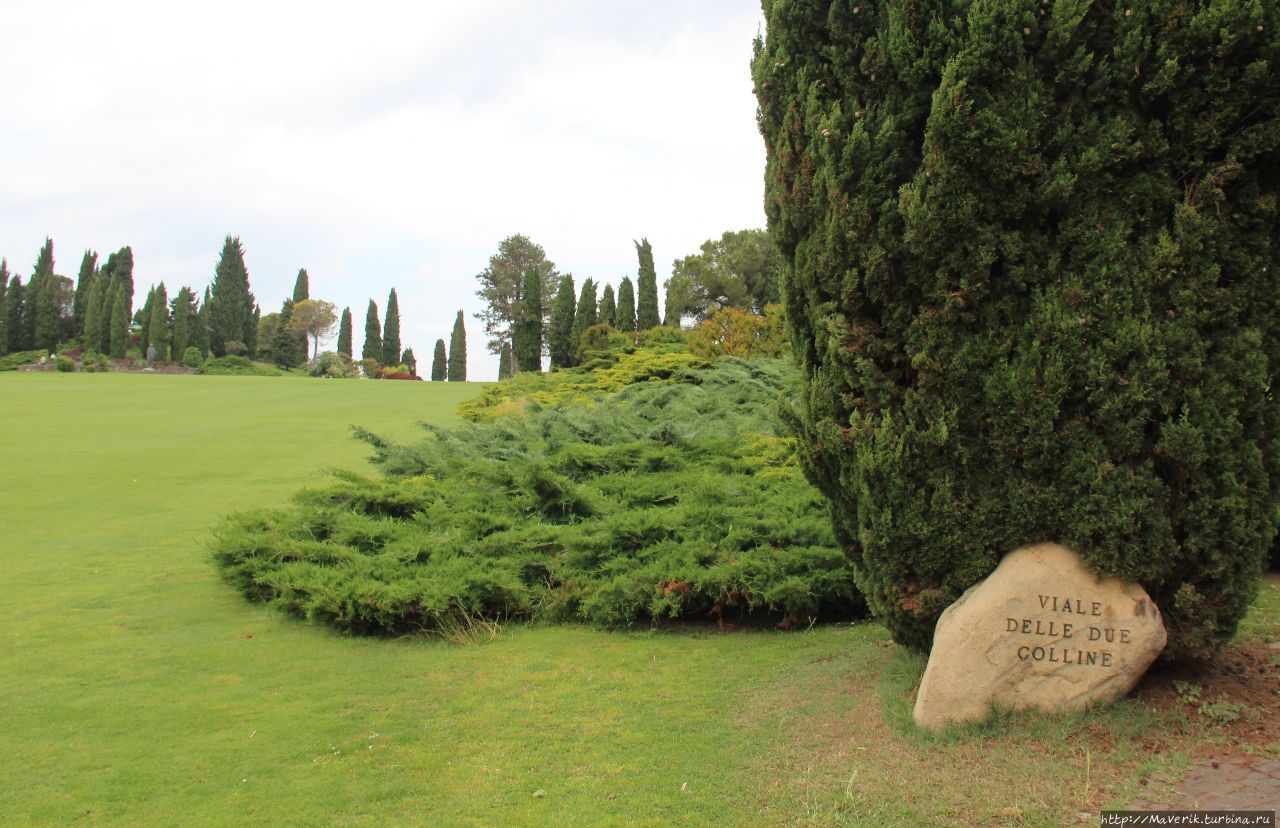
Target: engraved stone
[(1040, 632)]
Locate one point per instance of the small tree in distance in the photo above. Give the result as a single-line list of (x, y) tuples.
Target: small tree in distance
[(344, 333), (391, 331), (372, 335), (647, 286), (439, 363), (560, 330), (528, 336), (315, 318), (458, 351)]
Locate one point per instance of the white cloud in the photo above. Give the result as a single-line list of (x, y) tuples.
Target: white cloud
[(395, 145)]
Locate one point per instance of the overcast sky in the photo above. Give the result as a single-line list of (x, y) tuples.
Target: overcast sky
[(379, 145)]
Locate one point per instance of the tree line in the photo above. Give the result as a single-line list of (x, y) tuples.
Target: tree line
[(531, 309), (96, 314)]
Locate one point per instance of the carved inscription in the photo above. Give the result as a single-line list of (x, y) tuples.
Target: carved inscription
[(1084, 640)]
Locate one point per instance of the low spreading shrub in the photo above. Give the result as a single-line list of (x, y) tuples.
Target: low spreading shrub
[(674, 499), (335, 366), (65, 364), (10, 362), (192, 358), (235, 366)]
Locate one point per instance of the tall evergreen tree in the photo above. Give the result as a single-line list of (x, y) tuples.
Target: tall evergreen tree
[(585, 316), (410, 361), (159, 325), (502, 287), (41, 313), (560, 331), (391, 331), (458, 351), (527, 348), (647, 286), (84, 286), (95, 321), (120, 318), (372, 335), (184, 322), (626, 312), (344, 333), (201, 338), (231, 304), (302, 286), (4, 307), (288, 348), (144, 338), (13, 316), (123, 274), (439, 363), (1032, 290), (505, 362), (608, 307)]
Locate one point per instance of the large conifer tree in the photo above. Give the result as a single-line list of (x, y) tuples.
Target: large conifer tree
[(344, 333), (560, 331), (608, 307), (84, 286), (626, 312), (439, 363), (231, 304), (41, 313), (95, 321), (1033, 252), (14, 302), (585, 314), (4, 307), (144, 338), (527, 348), (159, 326), (118, 329), (184, 322), (458, 351), (301, 286), (391, 331), (372, 335), (647, 285)]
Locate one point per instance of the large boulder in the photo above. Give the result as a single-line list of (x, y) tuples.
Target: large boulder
[(1040, 632)]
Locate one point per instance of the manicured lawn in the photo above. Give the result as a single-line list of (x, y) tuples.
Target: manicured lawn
[(136, 688)]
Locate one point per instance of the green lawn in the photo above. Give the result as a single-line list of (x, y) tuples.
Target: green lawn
[(136, 688)]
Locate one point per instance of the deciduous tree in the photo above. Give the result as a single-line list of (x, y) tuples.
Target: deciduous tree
[(502, 287)]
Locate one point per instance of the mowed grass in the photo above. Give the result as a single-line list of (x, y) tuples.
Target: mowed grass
[(138, 689)]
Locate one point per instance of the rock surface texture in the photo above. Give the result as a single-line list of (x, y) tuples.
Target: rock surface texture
[(1040, 632)]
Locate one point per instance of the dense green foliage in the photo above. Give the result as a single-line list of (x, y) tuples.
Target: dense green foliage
[(408, 360), (119, 330), (669, 500), (739, 270), (184, 314), (458, 351), (231, 304), (334, 366), (391, 331), (192, 358), (646, 288), (11, 361), (506, 363), (527, 345), (584, 316), (1032, 287), (372, 334), (4, 306), (439, 363), (158, 328), (344, 333), (95, 320), (287, 348), (608, 307), (84, 286), (560, 329), (626, 310), (13, 315)]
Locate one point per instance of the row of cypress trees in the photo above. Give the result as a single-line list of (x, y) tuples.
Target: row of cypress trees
[(451, 366)]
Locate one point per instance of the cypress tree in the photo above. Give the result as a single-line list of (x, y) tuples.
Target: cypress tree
[(184, 322), (608, 307), (626, 312), (145, 335), (123, 273), (408, 360), (391, 331), (504, 363), (4, 307), (458, 351), (372, 335), (302, 286), (560, 331), (528, 343), (288, 349), (585, 316), (94, 320), (201, 339), (647, 285), (13, 316), (41, 313), (1031, 289), (118, 329), (439, 363), (159, 326), (84, 286), (344, 333), (231, 306)]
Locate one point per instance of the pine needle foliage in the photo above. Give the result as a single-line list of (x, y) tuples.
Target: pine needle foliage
[(1032, 258), (667, 500)]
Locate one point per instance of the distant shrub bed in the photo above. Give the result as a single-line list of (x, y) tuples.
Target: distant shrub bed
[(235, 366), (664, 500), (11, 362)]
